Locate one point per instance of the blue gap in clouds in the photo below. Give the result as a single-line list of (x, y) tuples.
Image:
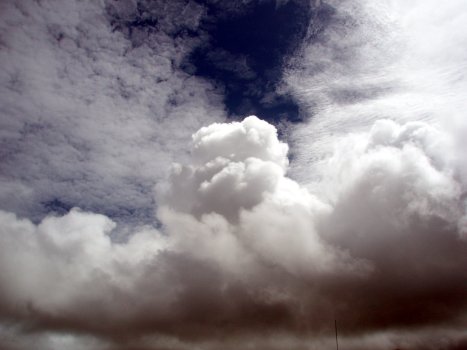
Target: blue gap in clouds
[(246, 53), (243, 46)]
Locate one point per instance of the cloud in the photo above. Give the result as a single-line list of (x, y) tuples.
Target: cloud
[(398, 203), (94, 105), (95, 109), (392, 60), (239, 162), (243, 250)]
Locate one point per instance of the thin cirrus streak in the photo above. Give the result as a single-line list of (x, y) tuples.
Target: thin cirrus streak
[(393, 59), (369, 228)]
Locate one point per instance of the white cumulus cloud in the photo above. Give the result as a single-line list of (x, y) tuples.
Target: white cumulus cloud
[(243, 248)]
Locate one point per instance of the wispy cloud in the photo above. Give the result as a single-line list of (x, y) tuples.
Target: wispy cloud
[(394, 59)]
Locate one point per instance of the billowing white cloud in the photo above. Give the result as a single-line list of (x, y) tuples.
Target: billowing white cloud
[(235, 166), (239, 176), (243, 249)]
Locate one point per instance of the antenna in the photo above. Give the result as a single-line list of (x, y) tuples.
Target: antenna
[(335, 326)]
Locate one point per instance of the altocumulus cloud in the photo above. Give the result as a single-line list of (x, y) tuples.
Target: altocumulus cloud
[(245, 252), (94, 105)]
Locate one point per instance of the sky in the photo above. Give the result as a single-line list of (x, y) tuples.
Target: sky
[(244, 174)]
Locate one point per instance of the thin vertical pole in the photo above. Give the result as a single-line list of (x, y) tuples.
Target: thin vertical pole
[(335, 326)]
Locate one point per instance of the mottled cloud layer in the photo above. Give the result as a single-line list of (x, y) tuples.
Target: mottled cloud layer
[(94, 106)]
